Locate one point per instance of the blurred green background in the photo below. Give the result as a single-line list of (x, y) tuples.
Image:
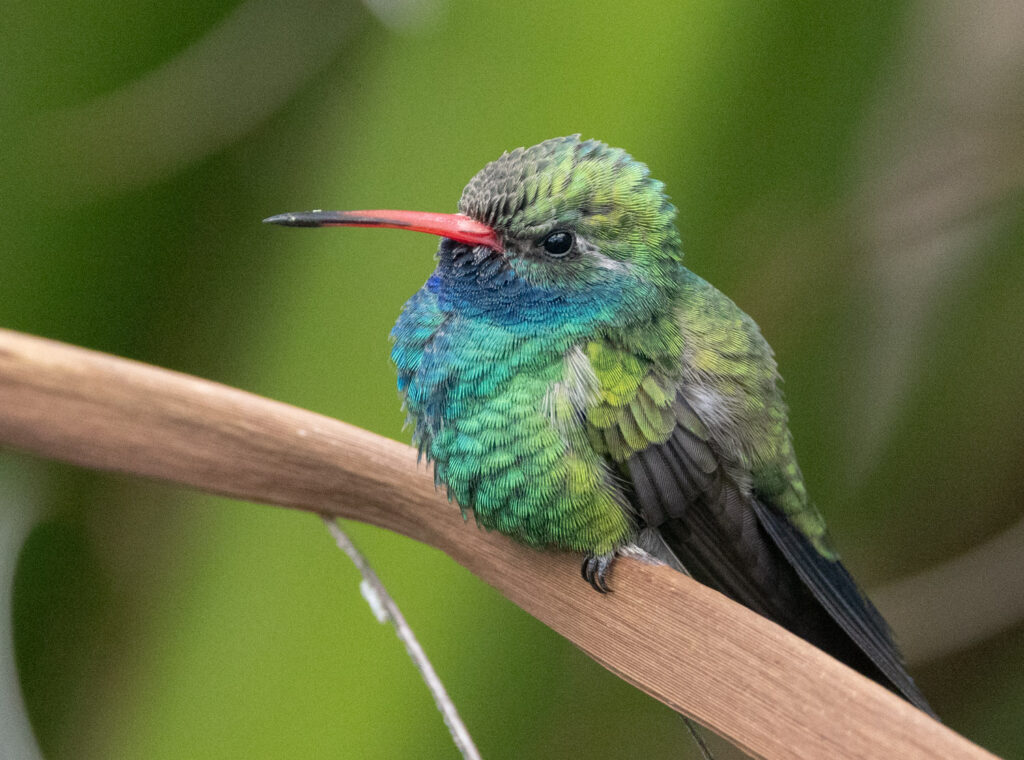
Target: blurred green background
[(850, 173)]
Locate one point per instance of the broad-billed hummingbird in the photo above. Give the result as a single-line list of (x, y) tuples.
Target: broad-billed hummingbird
[(577, 387)]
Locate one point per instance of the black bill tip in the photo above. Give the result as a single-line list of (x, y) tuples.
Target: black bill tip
[(300, 219)]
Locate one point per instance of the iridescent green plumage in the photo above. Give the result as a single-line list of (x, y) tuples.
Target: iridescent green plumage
[(577, 387)]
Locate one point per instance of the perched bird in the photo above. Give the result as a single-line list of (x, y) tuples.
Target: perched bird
[(576, 386)]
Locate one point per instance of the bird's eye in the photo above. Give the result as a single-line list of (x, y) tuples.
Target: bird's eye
[(557, 243)]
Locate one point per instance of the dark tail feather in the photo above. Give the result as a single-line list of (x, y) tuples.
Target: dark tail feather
[(836, 591)]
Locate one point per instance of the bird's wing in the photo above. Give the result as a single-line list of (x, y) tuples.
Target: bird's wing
[(675, 481), (745, 546), (680, 487), (730, 537)]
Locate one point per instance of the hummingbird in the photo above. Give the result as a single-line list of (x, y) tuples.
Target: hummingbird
[(577, 387)]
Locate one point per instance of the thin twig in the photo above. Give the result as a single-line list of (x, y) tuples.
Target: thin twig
[(386, 610), (698, 739)]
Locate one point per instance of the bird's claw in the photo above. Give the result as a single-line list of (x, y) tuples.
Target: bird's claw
[(595, 569)]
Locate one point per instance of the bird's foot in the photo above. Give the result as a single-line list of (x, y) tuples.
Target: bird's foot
[(595, 568)]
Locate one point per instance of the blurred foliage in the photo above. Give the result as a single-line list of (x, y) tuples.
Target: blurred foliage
[(144, 144)]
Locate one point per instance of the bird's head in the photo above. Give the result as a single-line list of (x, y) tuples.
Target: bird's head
[(571, 210), (566, 215)]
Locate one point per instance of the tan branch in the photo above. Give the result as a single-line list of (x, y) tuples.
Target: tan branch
[(686, 645)]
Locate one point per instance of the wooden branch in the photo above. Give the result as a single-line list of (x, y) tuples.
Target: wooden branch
[(768, 691)]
